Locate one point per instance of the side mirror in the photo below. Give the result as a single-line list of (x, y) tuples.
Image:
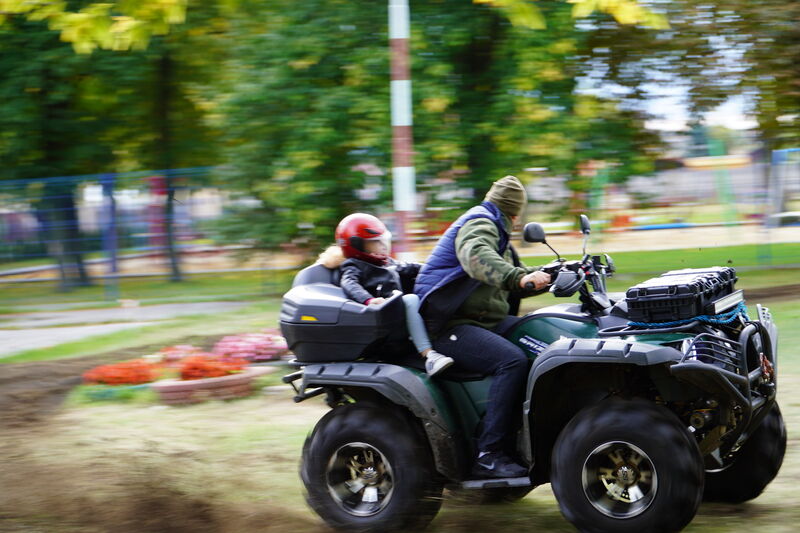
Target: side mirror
[(610, 263), (533, 232), (586, 228)]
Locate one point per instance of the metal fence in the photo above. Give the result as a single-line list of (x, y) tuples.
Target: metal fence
[(56, 216)]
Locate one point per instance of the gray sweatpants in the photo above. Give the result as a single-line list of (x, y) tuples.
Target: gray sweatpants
[(416, 327)]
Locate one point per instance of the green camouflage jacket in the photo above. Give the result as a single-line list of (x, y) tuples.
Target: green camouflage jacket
[(476, 246)]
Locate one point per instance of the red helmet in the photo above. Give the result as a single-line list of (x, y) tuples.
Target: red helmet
[(356, 232)]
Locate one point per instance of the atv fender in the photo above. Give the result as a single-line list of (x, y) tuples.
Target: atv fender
[(593, 351), (403, 387)]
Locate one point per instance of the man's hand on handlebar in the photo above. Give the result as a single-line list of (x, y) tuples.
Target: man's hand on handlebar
[(538, 279)]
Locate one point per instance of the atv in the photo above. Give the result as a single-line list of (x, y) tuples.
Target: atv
[(638, 406)]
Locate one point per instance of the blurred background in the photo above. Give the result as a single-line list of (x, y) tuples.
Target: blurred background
[(237, 140), (167, 166)]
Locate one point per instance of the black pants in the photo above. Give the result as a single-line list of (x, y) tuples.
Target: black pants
[(485, 351)]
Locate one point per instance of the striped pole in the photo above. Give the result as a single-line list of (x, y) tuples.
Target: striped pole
[(403, 175)]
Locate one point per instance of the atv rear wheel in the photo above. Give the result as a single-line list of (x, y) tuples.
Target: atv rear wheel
[(627, 466), (366, 469), (753, 467)]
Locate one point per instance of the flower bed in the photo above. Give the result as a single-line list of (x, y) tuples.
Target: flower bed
[(133, 372), (175, 391), (256, 347), (209, 366), (186, 374)]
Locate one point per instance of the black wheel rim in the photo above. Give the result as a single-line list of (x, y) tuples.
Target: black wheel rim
[(360, 479), (619, 479)]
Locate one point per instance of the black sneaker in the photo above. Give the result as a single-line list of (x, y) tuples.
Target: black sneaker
[(497, 465)]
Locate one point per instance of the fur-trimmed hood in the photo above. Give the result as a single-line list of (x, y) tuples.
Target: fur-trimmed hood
[(332, 257)]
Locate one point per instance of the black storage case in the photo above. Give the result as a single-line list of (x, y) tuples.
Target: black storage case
[(321, 325), (679, 294)]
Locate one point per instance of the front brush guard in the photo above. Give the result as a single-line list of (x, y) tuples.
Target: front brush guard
[(720, 366)]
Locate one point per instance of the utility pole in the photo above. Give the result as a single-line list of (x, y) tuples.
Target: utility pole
[(403, 173)]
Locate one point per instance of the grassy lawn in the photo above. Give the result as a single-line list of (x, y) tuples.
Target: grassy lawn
[(199, 288), (631, 266), (748, 279), (749, 255), (251, 318)]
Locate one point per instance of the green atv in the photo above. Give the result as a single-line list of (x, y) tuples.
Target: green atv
[(638, 405)]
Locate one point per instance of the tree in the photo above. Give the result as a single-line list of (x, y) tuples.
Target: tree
[(119, 25), (67, 114), (51, 123), (714, 50), (307, 111), (126, 24), (309, 93)]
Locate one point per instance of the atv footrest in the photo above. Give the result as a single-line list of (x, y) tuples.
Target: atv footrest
[(497, 483)]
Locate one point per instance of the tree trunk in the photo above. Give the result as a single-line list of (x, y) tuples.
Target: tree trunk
[(164, 147), (66, 244)]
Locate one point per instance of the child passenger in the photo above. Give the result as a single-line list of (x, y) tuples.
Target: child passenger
[(369, 275)]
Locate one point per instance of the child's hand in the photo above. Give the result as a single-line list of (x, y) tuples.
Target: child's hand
[(376, 301)]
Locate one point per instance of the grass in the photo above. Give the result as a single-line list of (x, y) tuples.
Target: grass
[(251, 318), (748, 255), (90, 394), (236, 285), (757, 266), (748, 279), (787, 317), (633, 267), (254, 285)]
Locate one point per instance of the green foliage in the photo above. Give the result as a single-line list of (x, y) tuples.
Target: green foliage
[(291, 99), (305, 108), (307, 112), (89, 394), (119, 25), (714, 50)]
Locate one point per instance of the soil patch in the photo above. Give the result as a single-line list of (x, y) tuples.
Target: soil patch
[(782, 293)]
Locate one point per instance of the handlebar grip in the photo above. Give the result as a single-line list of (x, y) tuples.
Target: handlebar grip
[(530, 286)]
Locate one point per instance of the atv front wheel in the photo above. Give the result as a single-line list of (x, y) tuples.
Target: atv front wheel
[(753, 467), (627, 466), (366, 469)]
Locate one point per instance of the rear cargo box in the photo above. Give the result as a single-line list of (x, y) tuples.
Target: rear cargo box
[(321, 325), (679, 294)]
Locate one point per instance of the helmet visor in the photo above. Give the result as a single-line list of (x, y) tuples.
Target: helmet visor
[(380, 246)]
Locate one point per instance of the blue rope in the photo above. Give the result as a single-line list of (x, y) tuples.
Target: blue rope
[(722, 318)]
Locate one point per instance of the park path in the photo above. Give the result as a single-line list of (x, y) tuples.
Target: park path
[(27, 331)]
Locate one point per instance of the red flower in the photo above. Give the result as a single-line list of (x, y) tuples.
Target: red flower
[(199, 367), (125, 373)]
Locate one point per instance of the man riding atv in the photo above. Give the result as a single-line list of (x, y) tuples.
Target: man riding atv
[(464, 289)]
